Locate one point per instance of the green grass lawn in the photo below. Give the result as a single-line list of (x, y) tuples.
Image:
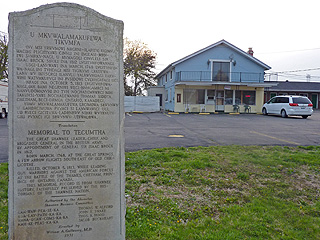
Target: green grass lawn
[(4, 178), (231, 192)]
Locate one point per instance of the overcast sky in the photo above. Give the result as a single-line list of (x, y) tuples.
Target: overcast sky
[(284, 34)]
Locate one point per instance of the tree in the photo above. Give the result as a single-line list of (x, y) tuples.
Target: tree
[(3, 56), (139, 63)]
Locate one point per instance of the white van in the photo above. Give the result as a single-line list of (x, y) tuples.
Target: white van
[(288, 106)]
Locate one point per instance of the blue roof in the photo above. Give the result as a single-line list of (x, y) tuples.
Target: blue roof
[(265, 66)]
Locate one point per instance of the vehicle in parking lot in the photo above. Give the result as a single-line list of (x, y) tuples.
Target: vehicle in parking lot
[(3, 109), (3, 99), (288, 106)]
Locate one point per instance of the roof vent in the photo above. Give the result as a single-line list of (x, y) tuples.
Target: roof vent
[(250, 51)]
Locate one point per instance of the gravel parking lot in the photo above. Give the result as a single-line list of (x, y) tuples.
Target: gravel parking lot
[(157, 130)]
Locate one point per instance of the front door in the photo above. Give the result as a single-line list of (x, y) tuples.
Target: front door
[(220, 100)]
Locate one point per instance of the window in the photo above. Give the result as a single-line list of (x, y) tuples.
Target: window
[(301, 100), (170, 75), (201, 94), (193, 96), (245, 97), (166, 96), (238, 98), (221, 71), (189, 96), (178, 97), (249, 97), (273, 100), (166, 78), (282, 100), (210, 94), (228, 100)]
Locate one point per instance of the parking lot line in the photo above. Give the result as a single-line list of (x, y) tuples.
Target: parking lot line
[(176, 136), (282, 140)]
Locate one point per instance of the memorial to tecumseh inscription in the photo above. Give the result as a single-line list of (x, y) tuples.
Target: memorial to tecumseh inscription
[(66, 146)]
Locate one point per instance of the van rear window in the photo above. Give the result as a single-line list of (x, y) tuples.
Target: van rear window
[(301, 100)]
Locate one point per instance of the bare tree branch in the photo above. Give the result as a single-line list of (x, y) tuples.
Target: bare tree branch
[(3, 56), (139, 63)]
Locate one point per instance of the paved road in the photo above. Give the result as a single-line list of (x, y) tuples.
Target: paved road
[(157, 130), (146, 131)]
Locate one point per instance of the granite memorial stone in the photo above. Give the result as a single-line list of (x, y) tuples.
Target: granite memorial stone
[(66, 149)]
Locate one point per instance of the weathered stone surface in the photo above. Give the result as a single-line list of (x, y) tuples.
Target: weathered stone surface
[(66, 150)]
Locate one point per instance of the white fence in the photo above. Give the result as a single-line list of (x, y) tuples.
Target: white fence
[(141, 104), (3, 91)]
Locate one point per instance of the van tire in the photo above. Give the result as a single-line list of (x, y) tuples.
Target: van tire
[(264, 111), (283, 113)]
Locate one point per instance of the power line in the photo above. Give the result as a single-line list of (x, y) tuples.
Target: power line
[(289, 51), (290, 73), (298, 76), (293, 75), (301, 70)]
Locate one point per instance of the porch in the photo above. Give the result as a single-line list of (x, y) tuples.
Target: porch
[(219, 76), (219, 98)]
